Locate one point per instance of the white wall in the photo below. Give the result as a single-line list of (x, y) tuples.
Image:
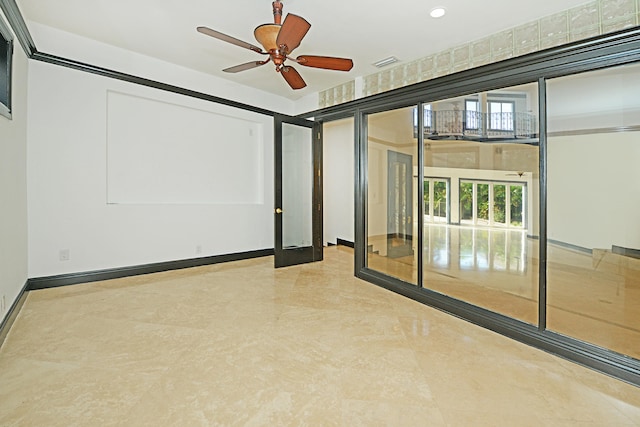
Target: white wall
[(150, 142), (67, 45), (594, 178), (13, 187), (306, 104), (67, 185), (338, 180), (594, 190), (598, 99)]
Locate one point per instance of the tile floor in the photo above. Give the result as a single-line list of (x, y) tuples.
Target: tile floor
[(591, 297), (244, 344)]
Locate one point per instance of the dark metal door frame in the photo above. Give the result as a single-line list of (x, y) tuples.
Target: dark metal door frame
[(291, 256)]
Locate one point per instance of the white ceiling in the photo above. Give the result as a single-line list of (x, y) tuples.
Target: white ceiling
[(363, 30)]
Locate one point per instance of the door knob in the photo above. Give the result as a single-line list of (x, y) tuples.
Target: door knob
[(279, 211)]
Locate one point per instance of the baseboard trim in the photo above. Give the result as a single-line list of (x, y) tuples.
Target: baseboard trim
[(399, 236), (570, 246), (629, 252), (12, 314), (345, 243), (117, 273)]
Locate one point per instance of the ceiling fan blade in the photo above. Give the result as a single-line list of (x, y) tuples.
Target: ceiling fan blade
[(326, 62), (243, 67), (220, 36), (292, 77), (292, 32)]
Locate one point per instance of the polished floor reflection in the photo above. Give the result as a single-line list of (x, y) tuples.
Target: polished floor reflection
[(494, 268), (591, 296), (595, 297), (244, 344)]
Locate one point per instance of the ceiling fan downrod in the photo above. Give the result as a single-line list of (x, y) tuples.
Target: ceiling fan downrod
[(277, 12)]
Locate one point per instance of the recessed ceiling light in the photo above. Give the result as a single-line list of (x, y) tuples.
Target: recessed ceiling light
[(438, 12)]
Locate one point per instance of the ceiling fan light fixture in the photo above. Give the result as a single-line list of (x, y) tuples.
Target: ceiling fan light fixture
[(386, 61), (438, 12), (266, 35)]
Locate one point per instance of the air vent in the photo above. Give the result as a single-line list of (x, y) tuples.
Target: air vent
[(387, 61)]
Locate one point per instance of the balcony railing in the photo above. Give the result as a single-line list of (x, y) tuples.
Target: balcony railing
[(477, 126)]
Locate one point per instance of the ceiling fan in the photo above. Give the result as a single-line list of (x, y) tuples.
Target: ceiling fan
[(278, 41)]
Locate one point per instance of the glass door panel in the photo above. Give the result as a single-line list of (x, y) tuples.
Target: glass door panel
[(516, 205), (484, 251), (466, 202), (593, 187), (440, 201), (482, 207), (427, 199), (499, 204), (393, 193), (297, 186)]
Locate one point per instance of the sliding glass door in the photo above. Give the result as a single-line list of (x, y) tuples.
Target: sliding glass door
[(479, 247), (526, 199), (593, 241)]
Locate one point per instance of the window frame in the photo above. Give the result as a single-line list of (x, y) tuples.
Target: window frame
[(502, 121), (490, 221), (429, 214), (6, 43), (476, 121), (427, 119)]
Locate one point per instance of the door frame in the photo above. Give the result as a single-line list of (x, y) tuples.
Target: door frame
[(285, 257), (406, 249)]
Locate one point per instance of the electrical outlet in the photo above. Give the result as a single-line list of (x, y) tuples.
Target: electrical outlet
[(64, 255), (198, 249)]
